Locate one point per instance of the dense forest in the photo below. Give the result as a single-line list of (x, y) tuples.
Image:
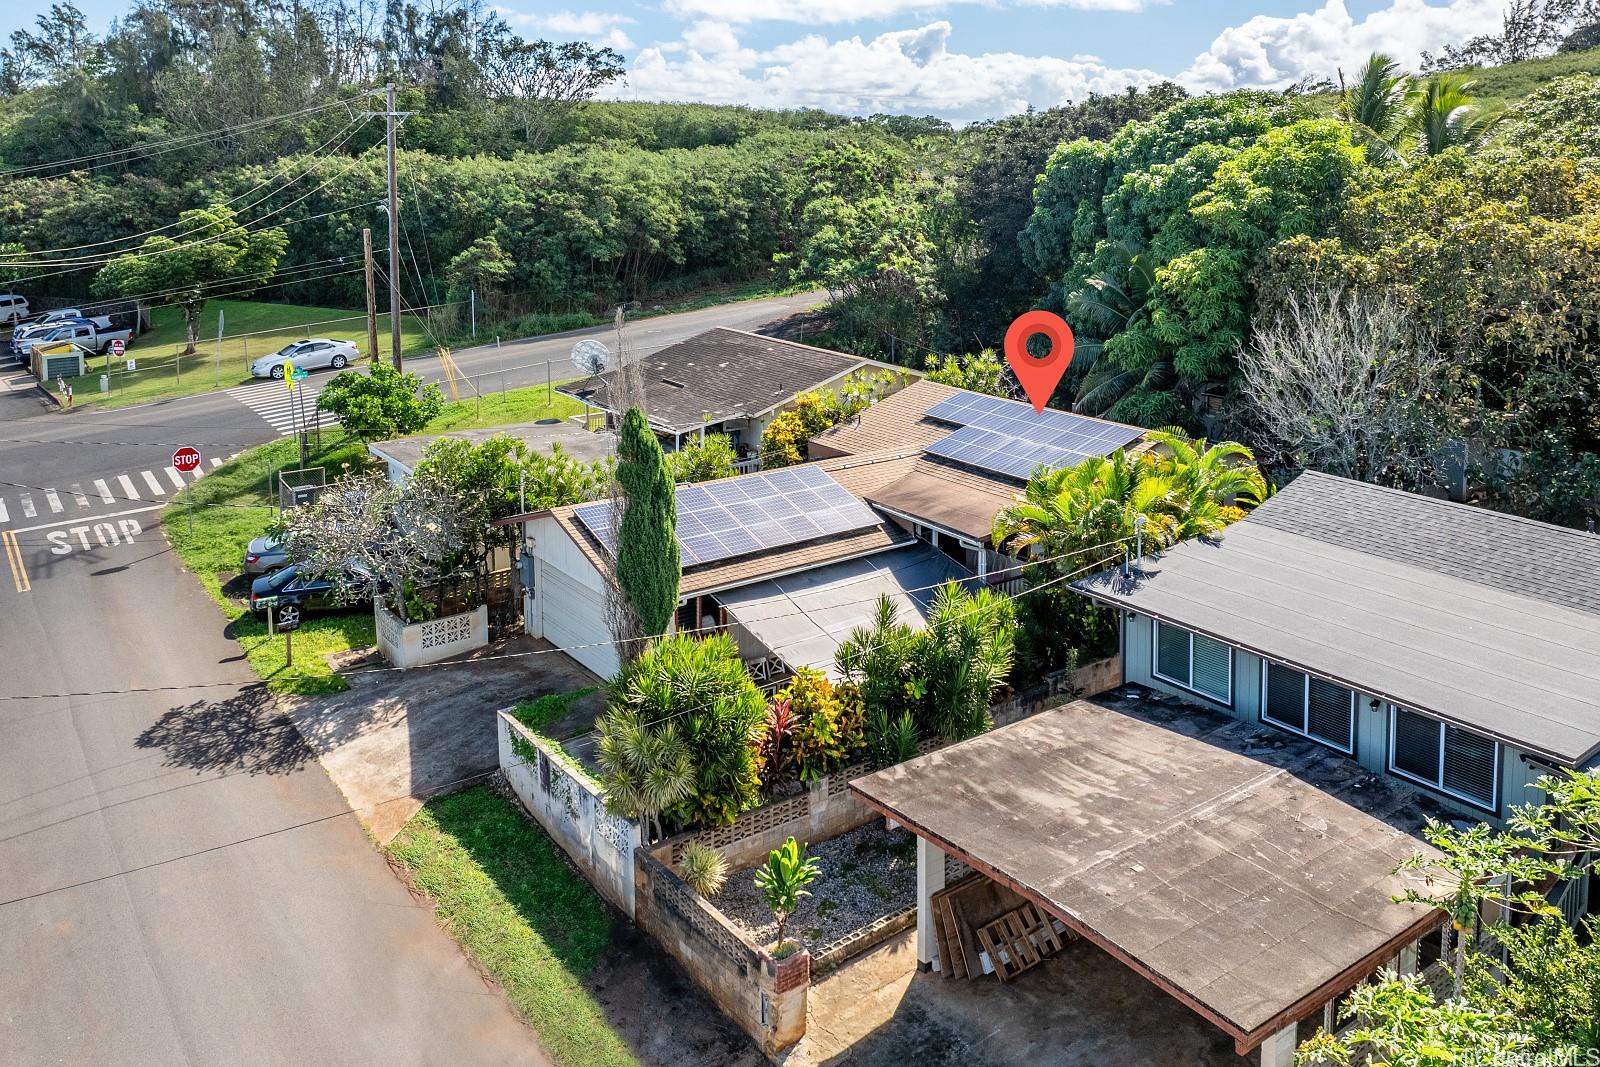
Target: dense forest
[(1356, 276)]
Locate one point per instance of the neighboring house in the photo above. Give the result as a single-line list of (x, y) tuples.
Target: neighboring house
[(1447, 646), (726, 381), (402, 454)]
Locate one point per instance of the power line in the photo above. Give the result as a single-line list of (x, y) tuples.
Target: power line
[(173, 144), (315, 153)]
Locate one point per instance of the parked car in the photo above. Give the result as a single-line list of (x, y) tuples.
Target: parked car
[(13, 308), (60, 315), (308, 594), (80, 332), (312, 353), (263, 555)]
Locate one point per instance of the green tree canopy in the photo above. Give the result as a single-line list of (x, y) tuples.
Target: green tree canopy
[(210, 248), (380, 403)]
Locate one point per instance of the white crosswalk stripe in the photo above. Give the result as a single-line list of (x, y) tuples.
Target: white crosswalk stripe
[(104, 490), (79, 497), (99, 495), (155, 487), (5, 516), (282, 409), (215, 462), (52, 498), (127, 487), (175, 477), (28, 510)]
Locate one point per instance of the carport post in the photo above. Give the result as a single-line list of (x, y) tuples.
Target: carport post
[(1278, 1050), (930, 879)]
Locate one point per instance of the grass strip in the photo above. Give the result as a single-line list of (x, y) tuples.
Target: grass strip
[(512, 902)]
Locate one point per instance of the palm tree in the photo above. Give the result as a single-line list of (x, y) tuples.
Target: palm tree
[(1217, 484), (645, 767), (1108, 304), (1446, 114), (1378, 106)]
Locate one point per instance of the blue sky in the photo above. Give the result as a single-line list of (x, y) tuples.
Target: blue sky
[(969, 59)]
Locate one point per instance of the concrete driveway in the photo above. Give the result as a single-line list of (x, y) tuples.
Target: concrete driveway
[(397, 737)]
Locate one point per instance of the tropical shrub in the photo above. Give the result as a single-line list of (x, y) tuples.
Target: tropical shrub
[(782, 881), (380, 403), (891, 741), (829, 722), (645, 765), (697, 691), (703, 460), (703, 868), (777, 743), (981, 372), (783, 442)]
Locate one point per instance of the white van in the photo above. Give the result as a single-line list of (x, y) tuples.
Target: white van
[(13, 308)]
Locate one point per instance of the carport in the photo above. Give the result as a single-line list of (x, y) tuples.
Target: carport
[(1247, 876)]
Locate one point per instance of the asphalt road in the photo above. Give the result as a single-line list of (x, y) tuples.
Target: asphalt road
[(180, 882)]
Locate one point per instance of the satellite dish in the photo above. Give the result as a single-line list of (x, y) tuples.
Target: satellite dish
[(591, 356)]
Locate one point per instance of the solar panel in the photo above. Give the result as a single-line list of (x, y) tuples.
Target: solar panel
[(723, 519), (1010, 438)]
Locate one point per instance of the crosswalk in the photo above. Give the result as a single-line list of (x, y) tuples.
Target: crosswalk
[(285, 411), (92, 496)]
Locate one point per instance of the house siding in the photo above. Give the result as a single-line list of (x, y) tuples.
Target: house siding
[(1371, 737), (567, 606)]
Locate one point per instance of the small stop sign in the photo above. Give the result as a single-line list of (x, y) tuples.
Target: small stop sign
[(186, 459), (117, 348)]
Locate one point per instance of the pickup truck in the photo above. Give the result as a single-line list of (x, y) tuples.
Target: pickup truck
[(82, 333)]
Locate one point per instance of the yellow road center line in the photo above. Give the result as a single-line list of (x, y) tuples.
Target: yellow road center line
[(19, 571)]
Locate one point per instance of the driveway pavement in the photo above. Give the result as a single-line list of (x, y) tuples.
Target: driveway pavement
[(396, 738)]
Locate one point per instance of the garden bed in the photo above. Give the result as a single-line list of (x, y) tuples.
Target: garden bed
[(868, 875)]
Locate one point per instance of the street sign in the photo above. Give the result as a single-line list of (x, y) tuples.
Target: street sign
[(186, 459), (300, 374), (117, 348)]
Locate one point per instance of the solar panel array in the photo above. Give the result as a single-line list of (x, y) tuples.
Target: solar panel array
[(1009, 438), (737, 516)]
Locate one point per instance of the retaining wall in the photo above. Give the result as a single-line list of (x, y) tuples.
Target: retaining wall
[(410, 645)]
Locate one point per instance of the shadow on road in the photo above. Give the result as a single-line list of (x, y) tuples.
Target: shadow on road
[(244, 733)]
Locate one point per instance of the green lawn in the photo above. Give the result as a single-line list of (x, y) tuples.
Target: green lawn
[(510, 899), (251, 330), (235, 502)]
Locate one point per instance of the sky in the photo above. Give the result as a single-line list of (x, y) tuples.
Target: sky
[(967, 60)]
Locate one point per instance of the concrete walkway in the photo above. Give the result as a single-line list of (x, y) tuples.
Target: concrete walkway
[(1078, 1009), (396, 738)]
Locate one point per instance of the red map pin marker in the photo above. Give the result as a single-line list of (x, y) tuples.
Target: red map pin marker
[(1039, 377)]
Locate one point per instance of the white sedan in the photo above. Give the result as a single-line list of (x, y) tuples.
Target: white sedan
[(310, 354)]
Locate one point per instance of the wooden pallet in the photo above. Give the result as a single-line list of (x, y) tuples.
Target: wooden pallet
[(947, 929), (1018, 940)]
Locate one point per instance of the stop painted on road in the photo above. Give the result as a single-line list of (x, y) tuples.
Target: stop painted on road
[(94, 535)]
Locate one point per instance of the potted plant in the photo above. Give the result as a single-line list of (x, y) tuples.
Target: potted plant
[(782, 881)]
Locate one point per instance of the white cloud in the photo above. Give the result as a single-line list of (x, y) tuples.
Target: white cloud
[(1272, 52), (597, 27), (825, 12), (903, 71)]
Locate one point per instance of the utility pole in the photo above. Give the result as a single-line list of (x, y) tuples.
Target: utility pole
[(394, 237), (372, 293)]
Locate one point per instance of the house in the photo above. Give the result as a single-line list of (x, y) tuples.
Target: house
[(402, 454), (787, 561), (726, 381), (1443, 645), (961, 458), (790, 561)]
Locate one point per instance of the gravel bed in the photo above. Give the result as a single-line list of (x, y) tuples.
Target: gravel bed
[(867, 874)]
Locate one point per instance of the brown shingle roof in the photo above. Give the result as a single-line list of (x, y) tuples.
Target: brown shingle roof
[(723, 374), (898, 421)]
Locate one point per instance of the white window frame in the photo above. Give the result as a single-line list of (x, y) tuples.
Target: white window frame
[(1438, 786), (1305, 706), (1155, 662)]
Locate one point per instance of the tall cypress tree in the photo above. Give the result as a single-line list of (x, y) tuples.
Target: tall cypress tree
[(647, 546)]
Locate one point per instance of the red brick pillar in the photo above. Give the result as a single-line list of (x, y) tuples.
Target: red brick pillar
[(784, 984)]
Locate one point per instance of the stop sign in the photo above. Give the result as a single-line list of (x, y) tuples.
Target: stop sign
[(186, 459), (117, 348)]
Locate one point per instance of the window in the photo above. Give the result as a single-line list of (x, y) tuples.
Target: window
[(1309, 706), (1194, 662), (1445, 757)]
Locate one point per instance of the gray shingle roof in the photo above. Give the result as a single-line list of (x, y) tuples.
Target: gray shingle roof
[(1418, 601), (722, 374), (1507, 552)]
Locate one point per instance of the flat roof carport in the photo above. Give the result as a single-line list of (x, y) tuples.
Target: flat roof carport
[(1248, 875)]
